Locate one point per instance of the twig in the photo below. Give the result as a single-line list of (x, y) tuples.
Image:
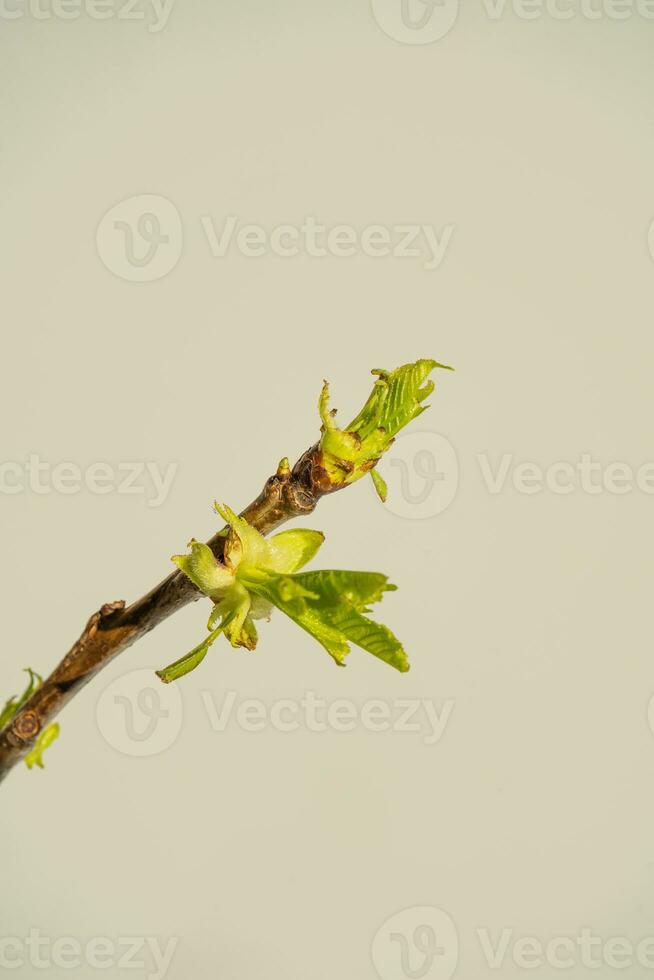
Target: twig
[(286, 495)]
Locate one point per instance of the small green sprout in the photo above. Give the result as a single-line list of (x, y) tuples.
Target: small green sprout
[(45, 739), (14, 705)]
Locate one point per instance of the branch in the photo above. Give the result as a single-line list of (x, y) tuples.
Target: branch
[(115, 627), (341, 457)]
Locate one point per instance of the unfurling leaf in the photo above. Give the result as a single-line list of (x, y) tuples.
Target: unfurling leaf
[(396, 399)]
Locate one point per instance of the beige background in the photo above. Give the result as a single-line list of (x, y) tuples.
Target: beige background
[(280, 855)]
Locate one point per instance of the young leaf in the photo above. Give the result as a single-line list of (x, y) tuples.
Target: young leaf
[(343, 597), (250, 546), (373, 637), (35, 756), (291, 550), (380, 485), (189, 661), (333, 587), (234, 609), (204, 570), (288, 595), (329, 605), (397, 398)]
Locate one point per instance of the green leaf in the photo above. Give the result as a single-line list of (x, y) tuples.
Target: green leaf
[(288, 595), (397, 398), (7, 713), (292, 550), (250, 546), (330, 605), (285, 552), (232, 611), (204, 570), (344, 596), (45, 739), (189, 661), (373, 637), (380, 485), (334, 586)]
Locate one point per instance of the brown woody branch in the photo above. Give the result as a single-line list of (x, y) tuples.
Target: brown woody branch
[(115, 626)]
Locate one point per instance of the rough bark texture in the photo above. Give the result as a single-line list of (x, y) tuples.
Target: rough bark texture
[(115, 626)]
